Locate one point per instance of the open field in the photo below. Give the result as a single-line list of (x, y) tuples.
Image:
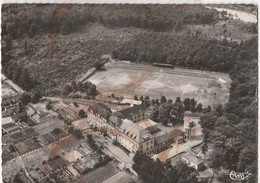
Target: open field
[(127, 79)]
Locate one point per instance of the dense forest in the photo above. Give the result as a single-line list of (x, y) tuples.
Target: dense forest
[(191, 51), (66, 18), (232, 130)]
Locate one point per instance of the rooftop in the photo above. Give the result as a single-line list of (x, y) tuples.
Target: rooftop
[(134, 131), (7, 120), (56, 163), (161, 136), (131, 102), (117, 121), (100, 109), (192, 158), (146, 123), (133, 110)]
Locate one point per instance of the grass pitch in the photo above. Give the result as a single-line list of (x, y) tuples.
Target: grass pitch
[(127, 79)]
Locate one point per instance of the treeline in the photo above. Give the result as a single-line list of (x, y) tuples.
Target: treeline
[(33, 19), (169, 111), (232, 130), (87, 88), (151, 171), (19, 75), (190, 50)]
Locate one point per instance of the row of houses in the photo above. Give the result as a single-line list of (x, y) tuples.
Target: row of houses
[(133, 129)]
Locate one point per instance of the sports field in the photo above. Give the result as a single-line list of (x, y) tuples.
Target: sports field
[(127, 79)]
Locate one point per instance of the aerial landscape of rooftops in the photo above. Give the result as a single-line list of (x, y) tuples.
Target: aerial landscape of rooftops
[(128, 93)]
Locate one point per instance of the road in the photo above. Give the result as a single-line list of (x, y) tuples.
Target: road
[(88, 102), (177, 149), (115, 151), (12, 84), (120, 177)]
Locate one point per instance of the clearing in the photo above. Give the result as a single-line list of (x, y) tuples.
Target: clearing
[(127, 79)]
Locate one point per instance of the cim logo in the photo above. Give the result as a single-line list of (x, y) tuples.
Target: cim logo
[(238, 176)]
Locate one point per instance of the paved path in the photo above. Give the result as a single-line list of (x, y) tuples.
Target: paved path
[(120, 177), (12, 84)]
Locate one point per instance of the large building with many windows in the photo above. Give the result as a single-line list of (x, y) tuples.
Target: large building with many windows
[(132, 129)]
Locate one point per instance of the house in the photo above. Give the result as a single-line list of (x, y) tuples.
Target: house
[(177, 136), (191, 125), (135, 113), (134, 138), (99, 114), (193, 161), (163, 139)]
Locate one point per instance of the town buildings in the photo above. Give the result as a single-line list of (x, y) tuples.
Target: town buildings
[(133, 130)]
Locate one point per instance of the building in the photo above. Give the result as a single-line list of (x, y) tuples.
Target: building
[(10, 105), (193, 161), (135, 113), (130, 102), (7, 120), (191, 125), (134, 138), (162, 139), (99, 114), (148, 125)]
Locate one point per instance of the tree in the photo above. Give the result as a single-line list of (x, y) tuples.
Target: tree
[(18, 179), (165, 113), (178, 99), (82, 113), (155, 113), (217, 157), (199, 108), (71, 130), (36, 97), (75, 104), (187, 104), (98, 65), (56, 131), (193, 104), (93, 90), (78, 134), (151, 171), (68, 89), (163, 99), (25, 98), (135, 97)]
